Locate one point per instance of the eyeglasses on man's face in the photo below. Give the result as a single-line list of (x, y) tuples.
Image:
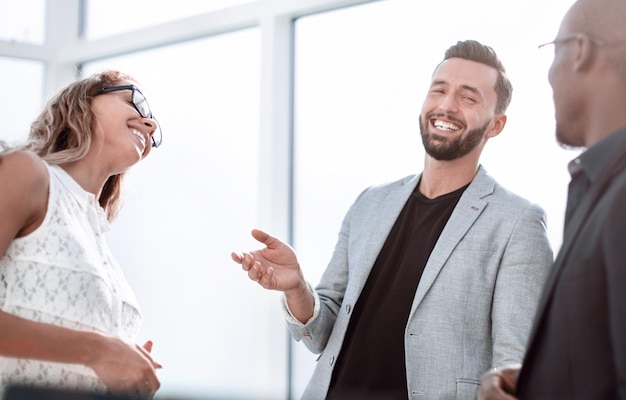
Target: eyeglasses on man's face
[(141, 105), (570, 37), (558, 41)]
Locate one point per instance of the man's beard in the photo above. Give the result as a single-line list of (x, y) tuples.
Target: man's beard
[(443, 148)]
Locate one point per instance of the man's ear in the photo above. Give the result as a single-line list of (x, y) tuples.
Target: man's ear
[(584, 52), (499, 120)]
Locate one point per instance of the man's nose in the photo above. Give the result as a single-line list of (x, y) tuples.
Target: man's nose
[(449, 103)]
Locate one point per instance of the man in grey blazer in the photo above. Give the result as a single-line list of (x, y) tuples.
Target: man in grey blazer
[(577, 349), (435, 277)]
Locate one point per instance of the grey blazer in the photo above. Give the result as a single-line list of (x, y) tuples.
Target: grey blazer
[(474, 304)]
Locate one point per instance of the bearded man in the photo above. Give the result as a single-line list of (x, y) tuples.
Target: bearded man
[(435, 277)]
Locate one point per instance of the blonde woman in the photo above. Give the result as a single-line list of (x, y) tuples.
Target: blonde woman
[(68, 318)]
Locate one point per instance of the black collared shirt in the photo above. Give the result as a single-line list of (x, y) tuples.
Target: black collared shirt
[(585, 168)]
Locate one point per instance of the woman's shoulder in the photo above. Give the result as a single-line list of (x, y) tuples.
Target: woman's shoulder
[(23, 168), (25, 182)]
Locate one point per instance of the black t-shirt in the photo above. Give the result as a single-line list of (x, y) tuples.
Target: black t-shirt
[(371, 363)]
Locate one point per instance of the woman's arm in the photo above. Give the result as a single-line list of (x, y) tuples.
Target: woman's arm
[(123, 367)]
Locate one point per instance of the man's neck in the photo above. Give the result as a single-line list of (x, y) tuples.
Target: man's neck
[(442, 177)]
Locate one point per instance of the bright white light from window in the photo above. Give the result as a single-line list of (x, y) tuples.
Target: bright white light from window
[(22, 21), (110, 17), (22, 86)]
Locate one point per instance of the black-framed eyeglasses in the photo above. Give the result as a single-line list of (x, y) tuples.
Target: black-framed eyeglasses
[(143, 108)]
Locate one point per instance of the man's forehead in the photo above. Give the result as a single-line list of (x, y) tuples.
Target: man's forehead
[(461, 72)]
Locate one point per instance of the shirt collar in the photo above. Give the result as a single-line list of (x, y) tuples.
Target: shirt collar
[(594, 159)]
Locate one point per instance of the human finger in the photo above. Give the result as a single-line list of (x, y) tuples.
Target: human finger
[(152, 384), (260, 235), (493, 387), (148, 346), (267, 239), (146, 350), (255, 272), (148, 384), (144, 390), (236, 257), (509, 377), (247, 261)]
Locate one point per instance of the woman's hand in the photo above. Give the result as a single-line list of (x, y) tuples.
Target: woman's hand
[(126, 369)]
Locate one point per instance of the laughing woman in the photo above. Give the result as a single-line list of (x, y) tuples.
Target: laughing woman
[(68, 318)]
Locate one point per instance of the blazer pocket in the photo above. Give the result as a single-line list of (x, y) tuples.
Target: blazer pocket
[(467, 389)]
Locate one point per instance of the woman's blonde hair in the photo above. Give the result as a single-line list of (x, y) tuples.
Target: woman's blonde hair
[(63, 132)]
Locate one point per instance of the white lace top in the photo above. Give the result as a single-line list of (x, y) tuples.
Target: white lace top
[(64, 274)]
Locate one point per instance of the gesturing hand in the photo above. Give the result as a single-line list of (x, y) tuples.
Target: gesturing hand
[(273, 267)]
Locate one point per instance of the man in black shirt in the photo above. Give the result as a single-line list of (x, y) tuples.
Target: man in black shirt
[(436, 276)]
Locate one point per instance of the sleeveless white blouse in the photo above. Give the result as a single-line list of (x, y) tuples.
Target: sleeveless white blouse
[(63, 273)]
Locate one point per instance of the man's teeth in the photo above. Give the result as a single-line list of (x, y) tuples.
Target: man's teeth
[(446, 126)]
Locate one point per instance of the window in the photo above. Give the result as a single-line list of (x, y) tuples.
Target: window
[(22, 86), (189, 204), (110, 17), (22, 21)]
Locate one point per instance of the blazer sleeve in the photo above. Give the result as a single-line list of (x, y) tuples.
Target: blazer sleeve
[(328, 295), (519, 284), (364, 229)]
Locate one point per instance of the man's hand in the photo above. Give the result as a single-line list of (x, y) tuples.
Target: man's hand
[(274, 267), (499, 384)]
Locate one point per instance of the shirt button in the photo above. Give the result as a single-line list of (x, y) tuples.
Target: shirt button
[(348, 308), (331, 361)]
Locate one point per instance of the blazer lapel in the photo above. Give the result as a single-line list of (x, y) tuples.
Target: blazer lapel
[(468, 209), (372, 241)]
